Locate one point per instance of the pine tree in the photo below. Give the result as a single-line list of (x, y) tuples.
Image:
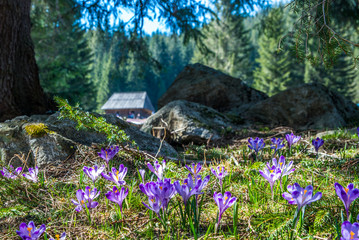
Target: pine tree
[(340, 78), (228, 43), (273, 73), (62, 52)]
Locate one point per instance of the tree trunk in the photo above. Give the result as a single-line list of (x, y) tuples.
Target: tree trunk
[(20, 90)]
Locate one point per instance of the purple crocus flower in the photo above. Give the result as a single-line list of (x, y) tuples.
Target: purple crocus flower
[(117, 176), (90, 195), (301, 196), (277, 144), (184, 191), (58, 237), (195, 169), (81, 200), (291, 139), (117, 196), (189, 188), (86, 197), (347, 195), (256, 144), (285, 169), (158, 169), (271, 174), (220, 173), (33, 172), (317, 143), (198, 185), (223, 202), (145, 188), (30, 232), (93, 172), (350, 231), (163, 191), (108, 153), (154, 205), (358, 131), (11, 173)]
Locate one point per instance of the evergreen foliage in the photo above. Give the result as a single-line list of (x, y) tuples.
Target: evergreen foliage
[(273, 74), (315, 35), (340, 78), (228, 43), (62, 52), (87, 121)]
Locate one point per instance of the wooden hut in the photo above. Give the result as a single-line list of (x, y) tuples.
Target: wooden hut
[(132, 105)]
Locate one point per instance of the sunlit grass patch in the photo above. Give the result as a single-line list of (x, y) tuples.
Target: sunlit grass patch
[(255, 216)]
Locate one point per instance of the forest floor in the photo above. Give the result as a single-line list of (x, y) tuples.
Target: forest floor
[(255, 216)]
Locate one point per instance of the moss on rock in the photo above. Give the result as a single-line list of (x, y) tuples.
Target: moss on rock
[(37, 130)]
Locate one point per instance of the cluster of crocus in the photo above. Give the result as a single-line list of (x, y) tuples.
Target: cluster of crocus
[(291, 140), (108, 153), (85, 199), (317, 143), (159, 194), (190, 187), (347, 195), (276, 144), (256, 144), (11, 172), (220, 173)]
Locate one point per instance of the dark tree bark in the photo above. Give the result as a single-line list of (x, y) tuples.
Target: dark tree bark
[(20, 90)]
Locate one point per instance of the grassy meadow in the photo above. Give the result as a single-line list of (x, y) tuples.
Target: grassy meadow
[(255, 215)]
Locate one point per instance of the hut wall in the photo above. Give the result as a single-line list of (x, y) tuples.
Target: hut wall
[(144, 113)]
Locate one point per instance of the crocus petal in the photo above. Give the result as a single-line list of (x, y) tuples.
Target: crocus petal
[(354, 194)]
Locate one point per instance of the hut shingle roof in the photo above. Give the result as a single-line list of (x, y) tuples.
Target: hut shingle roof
[(129, 100)]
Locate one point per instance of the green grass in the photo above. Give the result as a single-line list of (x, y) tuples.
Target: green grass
[(256, 216)]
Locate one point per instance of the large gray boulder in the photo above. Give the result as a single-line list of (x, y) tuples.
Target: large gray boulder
[(212, 88), (309, 106), (189, 122), (49, 139)]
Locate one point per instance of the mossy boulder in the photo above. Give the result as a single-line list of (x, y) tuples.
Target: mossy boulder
[(49, 139)]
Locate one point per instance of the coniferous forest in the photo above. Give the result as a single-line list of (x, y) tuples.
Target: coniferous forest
[(87, 64)]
